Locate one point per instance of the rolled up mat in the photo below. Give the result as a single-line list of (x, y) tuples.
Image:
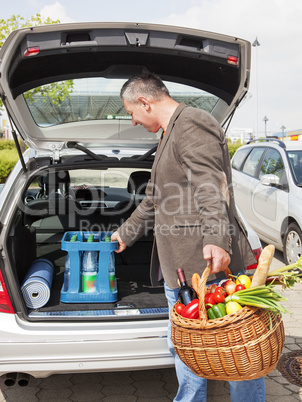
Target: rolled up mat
[(37, 283)]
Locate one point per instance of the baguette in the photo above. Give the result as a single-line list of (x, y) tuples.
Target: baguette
[(195, 282), (264, 263)]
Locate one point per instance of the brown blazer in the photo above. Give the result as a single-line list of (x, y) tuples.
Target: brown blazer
[(189, 200)]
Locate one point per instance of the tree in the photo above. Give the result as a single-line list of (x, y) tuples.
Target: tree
[(17, 22)]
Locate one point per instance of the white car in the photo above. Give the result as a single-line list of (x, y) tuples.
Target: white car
[(267, 178), (84, 172)]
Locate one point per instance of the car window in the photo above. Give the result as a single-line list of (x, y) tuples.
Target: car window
[(239, 157), (98, 99), (272, 164), (252, 161), (109, 178), (295, 161)]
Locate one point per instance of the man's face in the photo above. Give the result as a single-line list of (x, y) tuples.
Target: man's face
[(142, 114)]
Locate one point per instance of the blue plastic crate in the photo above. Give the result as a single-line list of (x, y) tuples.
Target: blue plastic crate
[(75, 250)]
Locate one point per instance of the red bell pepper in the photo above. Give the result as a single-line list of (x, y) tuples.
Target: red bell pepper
[(191, 310)]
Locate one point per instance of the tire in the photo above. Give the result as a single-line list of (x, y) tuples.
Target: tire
[(292, 244)]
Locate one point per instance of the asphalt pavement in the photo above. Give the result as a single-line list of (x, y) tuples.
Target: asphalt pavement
[(161, 385)]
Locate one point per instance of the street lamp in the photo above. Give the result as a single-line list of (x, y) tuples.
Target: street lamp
[(282, 129), (265, 119)]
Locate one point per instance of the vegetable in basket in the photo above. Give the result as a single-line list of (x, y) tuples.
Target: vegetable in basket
[(191, 310), (209, 300), (217, 311), (261, 296), (286, 276), (231, 307)]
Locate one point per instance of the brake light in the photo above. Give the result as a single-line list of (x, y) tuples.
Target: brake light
[(32, 51), (251, 268), (5, 304), (234, 60)]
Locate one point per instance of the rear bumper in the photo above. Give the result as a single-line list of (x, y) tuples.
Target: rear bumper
[(43, 353)]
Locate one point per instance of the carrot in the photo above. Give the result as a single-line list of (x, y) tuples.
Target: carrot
[(195, 282)]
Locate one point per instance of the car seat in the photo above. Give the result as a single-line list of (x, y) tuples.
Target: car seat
[(138, 181), (54, 210), (136, 186)]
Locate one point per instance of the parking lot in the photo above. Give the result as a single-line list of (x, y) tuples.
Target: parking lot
[(159, 385)]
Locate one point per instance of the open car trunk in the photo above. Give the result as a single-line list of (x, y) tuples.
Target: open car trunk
[(61, 85), (72, 200)]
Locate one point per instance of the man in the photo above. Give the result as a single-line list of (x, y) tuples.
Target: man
[(190, 204)]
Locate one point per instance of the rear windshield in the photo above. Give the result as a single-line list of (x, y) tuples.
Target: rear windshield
[(106, 178), (97, 99)]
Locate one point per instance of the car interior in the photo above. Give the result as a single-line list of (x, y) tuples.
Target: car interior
[(56, 202)]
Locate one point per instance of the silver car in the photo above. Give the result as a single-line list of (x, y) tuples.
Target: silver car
[(267, 177), (84, 172)]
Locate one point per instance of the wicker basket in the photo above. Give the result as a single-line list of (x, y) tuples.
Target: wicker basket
[(242, 346)]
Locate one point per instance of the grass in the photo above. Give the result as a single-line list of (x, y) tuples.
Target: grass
[(8, 159)]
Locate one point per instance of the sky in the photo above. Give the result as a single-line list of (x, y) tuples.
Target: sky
[(275, 91)]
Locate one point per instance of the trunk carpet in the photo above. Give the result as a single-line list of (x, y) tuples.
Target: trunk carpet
[(133, 283)]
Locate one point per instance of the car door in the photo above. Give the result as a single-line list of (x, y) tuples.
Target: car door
[(245, 168), (269, 202)]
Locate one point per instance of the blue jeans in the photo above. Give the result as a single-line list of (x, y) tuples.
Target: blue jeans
[(192, 388)]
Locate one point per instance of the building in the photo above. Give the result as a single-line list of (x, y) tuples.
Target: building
[(290, 135)]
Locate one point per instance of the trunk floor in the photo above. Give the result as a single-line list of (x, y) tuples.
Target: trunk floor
[(133, 282)]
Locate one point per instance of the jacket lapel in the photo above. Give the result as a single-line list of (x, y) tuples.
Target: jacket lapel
[(164, 141)]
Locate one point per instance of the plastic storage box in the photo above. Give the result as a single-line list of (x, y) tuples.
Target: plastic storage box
[(74, 294)]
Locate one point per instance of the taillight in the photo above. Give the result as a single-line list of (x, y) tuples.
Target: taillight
[(251, 268), (233, 60), (32, 51), (5, 304)]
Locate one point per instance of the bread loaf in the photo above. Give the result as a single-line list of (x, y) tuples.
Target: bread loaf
[(264, 263)]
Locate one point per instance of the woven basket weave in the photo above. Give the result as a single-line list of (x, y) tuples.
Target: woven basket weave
[(242, 346)]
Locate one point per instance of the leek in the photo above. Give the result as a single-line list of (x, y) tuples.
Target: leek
[(261, 296), (286, 276)]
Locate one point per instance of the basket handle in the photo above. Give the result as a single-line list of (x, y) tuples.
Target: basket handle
[(201, 292), (202, 288)]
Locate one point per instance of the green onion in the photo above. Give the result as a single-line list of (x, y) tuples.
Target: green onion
[(286, 276), (261, 296)]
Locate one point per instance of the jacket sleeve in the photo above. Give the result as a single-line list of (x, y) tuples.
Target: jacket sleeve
[(140, 221), (200, 151)]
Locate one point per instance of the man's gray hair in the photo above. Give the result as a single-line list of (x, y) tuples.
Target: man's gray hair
[(144, 84)]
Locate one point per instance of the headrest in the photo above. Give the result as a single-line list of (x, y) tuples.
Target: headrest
[(138, 181), (52, 182)]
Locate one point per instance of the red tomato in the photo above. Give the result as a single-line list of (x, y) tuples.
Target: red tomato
[(220, 290), (179, 307), (209, 299), (239, 287), (219, 297)]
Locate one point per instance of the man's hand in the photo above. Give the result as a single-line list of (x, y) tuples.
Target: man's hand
[(219, 257), (116, 237)]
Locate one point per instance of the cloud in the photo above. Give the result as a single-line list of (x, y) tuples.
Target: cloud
[(277, 24), (55, 11)]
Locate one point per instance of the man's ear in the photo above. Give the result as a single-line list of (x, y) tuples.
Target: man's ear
[(144, 102)]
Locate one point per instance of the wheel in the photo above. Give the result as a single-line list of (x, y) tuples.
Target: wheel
[(292, 244)]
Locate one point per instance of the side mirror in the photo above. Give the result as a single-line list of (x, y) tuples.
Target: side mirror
[(270, 180)]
